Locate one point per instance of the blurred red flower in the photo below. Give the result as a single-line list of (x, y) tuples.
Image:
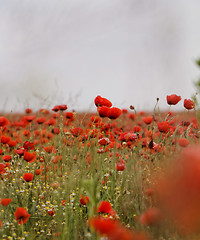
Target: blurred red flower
[(163, 127), (3, 121), (84, 200), (7, 158), (28, 177), (29, 157), (21, 215), (178, 190), (5, 201), (151, 217), (50, 212), (147, 120), (183, 142), (120, 166)]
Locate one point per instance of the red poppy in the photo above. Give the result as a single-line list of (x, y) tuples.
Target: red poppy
[(7, 158), (103, 111), (50, 212), (63, 202), (56, 108), (188, 104), (28, 177), (28, 110), (5, 201), (5, 139), (29, 118), (76, 131), (84, 200), (120, 166), (40, 120), (103, 225), (183, 142), (2, 168), (59, 108), (28, 145), (29, 157), (178, 190), (3, 121), (147, 120), (20, 151), (70, 115), (114, 113), (163, 127), (105, 207), (104, 141), (12, 143), (151, 217), (99, 102), (21, 215), (50, 122), (0, 223), (63, 107), (173, 99)]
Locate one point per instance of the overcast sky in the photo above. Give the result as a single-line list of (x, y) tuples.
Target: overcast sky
[(68, 52)]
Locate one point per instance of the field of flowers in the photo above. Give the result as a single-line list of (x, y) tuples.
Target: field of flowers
[(115, 174)]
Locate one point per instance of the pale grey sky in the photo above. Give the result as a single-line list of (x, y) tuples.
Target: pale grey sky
[(68, 52)]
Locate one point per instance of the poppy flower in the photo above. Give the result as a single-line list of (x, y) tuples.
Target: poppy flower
[(120, 166), (62, 107), (114, 113), (84, 200), (173, 99), (76, 131), (183, 142), (188, 104), (163, 127), (56, 108), (2, 168), (28, 110), (178, 190), (28, 177), (3, 121), (0, 223), (151, 217), (20, 151), (29, 118), (99, 102), (5, 201), (7, 158), (50, 122), (105, 207), (50, 212), (104, 141), (21, 215), (147, 120), (70, 115), (12, 143), (29, 157), (103, 111), (5, 139), (103, 225), (28, 145), (40, 120)]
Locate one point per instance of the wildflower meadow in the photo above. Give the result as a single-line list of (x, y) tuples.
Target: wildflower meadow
[(115, 174)]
